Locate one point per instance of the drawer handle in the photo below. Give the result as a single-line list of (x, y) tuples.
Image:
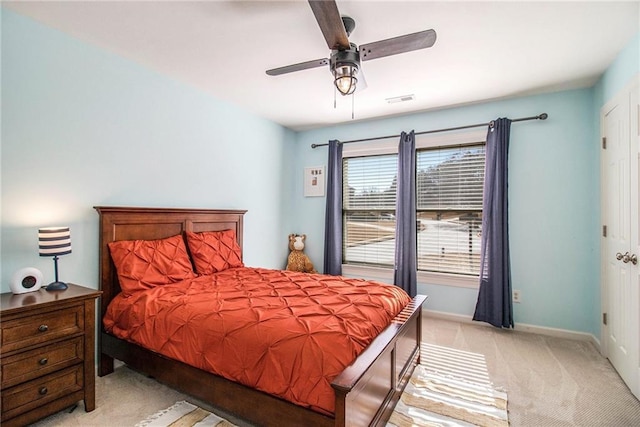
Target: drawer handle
[(43, 391), (43, 328), (43, 361)]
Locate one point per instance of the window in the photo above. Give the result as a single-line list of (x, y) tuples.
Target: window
[(449, 184), (368, 209)]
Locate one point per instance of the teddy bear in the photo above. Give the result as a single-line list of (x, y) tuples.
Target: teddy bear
[(298, 260)]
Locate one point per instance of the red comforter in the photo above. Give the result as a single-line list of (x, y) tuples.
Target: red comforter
[(285, 333)]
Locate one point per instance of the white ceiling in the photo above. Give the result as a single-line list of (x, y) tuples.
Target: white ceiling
[(484, 50)]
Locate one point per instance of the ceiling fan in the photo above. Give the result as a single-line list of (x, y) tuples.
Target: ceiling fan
[(345, 58)]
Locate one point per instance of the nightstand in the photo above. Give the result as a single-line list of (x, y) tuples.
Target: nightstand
[(47, 352)]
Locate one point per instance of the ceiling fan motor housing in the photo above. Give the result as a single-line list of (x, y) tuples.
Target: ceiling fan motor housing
[(341, 58)]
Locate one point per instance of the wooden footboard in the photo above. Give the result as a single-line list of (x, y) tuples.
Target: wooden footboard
[(366, 391)]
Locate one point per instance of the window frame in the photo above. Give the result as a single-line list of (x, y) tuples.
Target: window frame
[(390, 146)]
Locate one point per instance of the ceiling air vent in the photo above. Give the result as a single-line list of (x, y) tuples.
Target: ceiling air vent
[(402, 98)]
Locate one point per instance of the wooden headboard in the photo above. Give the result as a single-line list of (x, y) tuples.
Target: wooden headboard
[(131, 223)]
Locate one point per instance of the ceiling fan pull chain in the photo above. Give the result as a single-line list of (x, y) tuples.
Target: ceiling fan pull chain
[(334, 97)]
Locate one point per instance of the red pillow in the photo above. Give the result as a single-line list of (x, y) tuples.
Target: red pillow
[(214, 251), (144, 264)]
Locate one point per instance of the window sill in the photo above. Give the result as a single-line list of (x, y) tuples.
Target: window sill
[(448, 280), (423, 277), (374, 273)]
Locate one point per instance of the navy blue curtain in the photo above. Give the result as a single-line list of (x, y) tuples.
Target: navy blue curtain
[(494, 304), (405, 255), (333, 213)]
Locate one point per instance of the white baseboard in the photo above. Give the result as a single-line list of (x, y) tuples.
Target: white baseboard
[(522, 327)]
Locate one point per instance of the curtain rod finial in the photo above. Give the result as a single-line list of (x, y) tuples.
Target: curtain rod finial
[(314, 145), (543, 116)]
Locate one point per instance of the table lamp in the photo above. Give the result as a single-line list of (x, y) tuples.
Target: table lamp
[(54, 241)]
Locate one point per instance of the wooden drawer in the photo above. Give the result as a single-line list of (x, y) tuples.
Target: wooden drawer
[(27, 331), (32, 394), (31, 364)]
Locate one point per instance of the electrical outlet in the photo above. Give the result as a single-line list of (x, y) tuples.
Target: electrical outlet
[(516, 296)]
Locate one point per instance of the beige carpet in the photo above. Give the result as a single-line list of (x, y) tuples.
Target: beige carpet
[(551, 381)]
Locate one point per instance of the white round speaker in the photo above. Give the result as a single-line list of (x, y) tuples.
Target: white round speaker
[(27, 279)]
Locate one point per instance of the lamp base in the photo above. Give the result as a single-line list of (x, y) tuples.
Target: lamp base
[(56, 286)]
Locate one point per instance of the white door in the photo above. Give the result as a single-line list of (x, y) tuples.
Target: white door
[(634, 265), (620, 249)]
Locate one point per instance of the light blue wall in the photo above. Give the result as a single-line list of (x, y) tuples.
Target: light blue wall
[(552, 203), (82, 127), (619, 74)]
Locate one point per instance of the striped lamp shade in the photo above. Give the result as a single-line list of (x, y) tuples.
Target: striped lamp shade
[(54, 241)]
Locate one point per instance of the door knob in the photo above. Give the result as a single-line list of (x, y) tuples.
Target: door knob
[(626, 258)]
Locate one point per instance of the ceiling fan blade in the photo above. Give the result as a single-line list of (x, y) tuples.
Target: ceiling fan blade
[(396, 45), (330, 22), (298, 67)]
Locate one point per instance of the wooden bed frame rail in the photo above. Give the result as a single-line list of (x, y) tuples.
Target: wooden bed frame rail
[(366, 391)]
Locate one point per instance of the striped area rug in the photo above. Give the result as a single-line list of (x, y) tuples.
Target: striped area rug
[(450, 388), (184, 414)]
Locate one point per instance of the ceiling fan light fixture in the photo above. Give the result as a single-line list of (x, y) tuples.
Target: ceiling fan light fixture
[(345, 78)]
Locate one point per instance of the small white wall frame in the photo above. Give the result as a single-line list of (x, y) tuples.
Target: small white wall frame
[(314, 179)]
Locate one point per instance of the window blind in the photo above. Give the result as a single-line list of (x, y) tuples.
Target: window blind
[(369, 201), (449, 184)]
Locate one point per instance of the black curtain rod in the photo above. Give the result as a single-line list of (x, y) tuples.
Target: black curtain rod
[(542, 116)]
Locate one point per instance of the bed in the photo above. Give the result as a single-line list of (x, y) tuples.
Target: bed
[(365, 391)]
